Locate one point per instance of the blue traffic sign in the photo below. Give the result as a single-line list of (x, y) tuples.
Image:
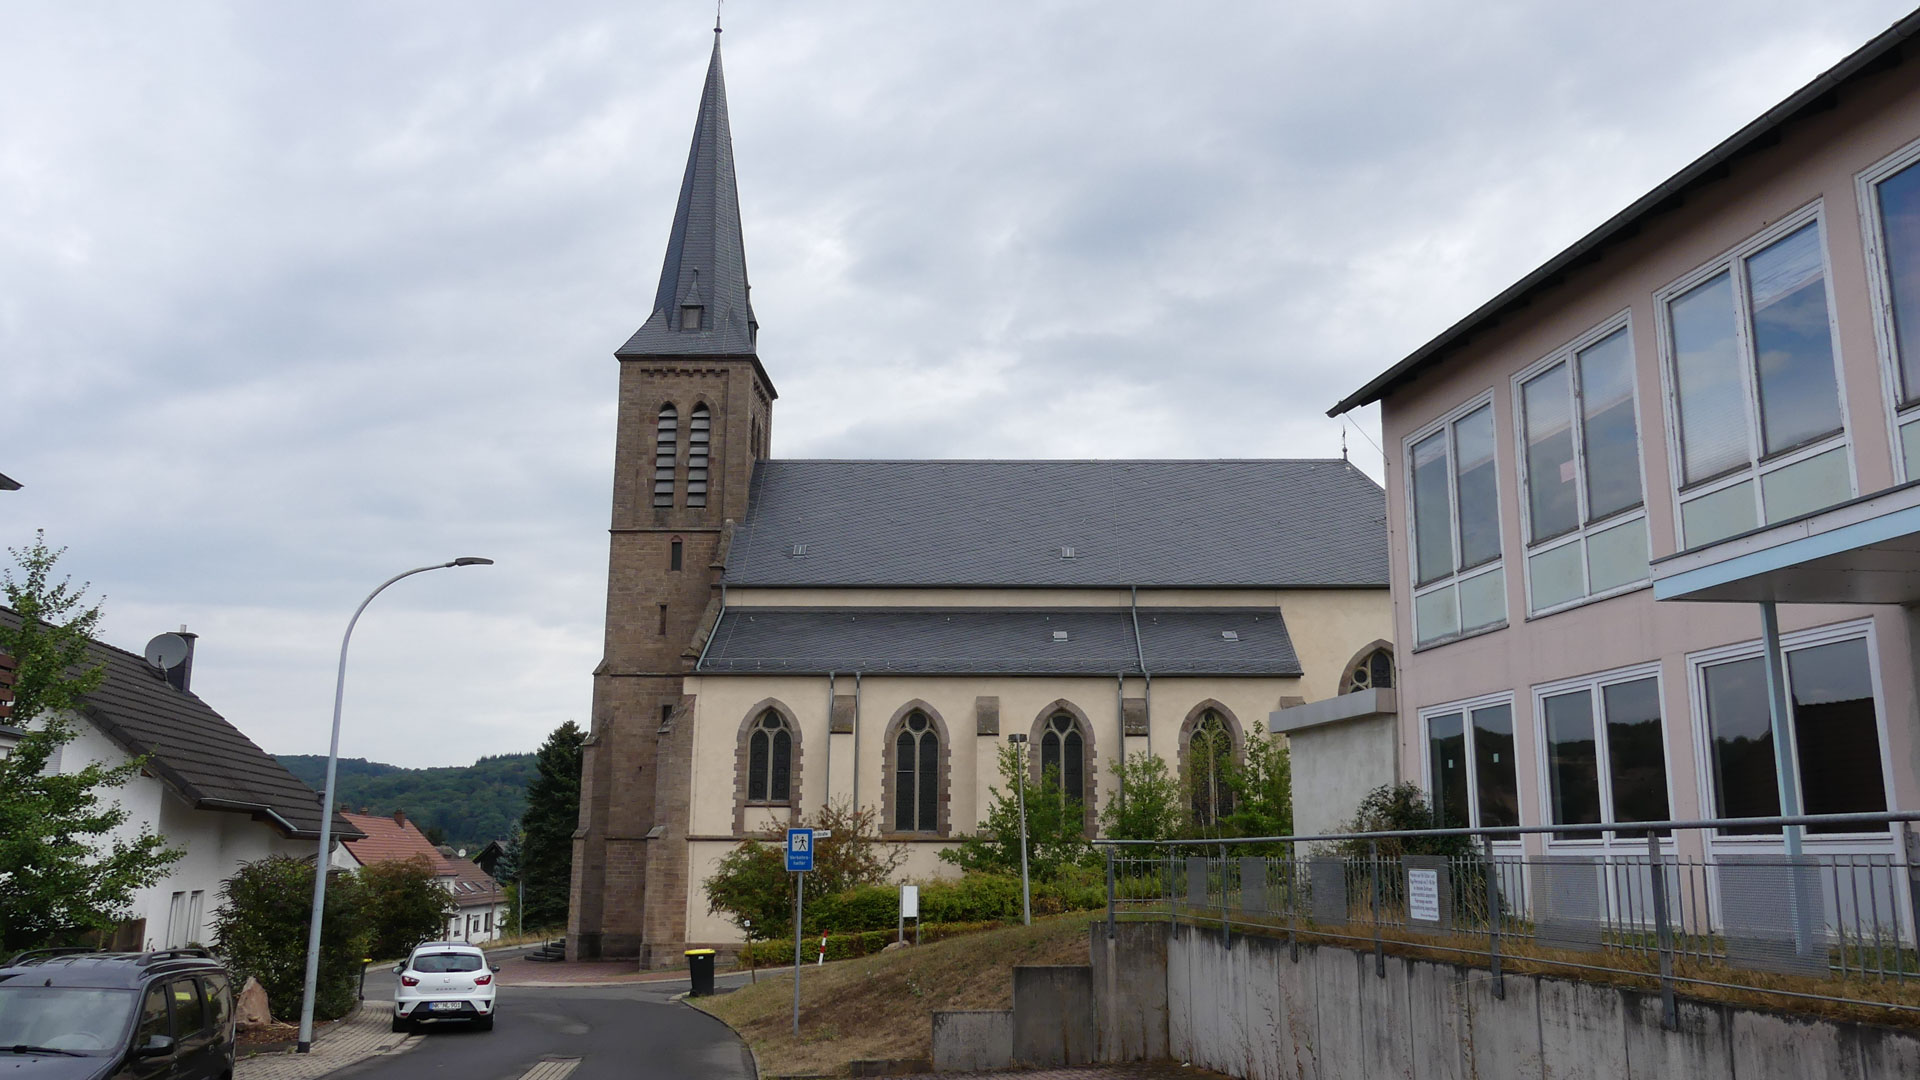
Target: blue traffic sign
[(799, 850)]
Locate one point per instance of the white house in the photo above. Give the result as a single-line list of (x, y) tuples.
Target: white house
[(481, 904), (205, 787)]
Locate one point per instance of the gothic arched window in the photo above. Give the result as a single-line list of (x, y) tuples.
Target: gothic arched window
[(770, 760), (666, 443), (916, 787), (1062, 748), (699, 431), (1369, 671), (1209, 759)]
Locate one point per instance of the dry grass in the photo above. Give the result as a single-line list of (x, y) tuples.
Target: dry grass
[(882, 1006)]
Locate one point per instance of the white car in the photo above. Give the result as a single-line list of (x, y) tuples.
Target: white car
[(444, 980)]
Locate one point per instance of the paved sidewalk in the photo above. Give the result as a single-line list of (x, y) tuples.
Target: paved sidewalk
[(348, 1042), (1087, 1072)]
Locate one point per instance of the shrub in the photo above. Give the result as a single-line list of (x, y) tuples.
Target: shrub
[(404, 904), (1055, 827), (751, 884), (1149, 806), (261, 926), (848, 946)]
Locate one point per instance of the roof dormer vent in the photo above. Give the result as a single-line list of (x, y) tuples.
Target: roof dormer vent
[(1067, 552), (1059, 635), (1230, 635)]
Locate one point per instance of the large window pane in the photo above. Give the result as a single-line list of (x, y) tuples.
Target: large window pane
[(1546, 403), (1493, 766), (1447, 754), (1836, 732), (1792, 342), (1607, 425), (1636, 757), (1483, 600), (1713, 397), (1479, 502), (1719, 515), (1806, 486), (1436, 615), (1744, 781), (1910, 445), (1899, 197), (1432, 509), (1617, 555), (1573, 762), (1556, 576)]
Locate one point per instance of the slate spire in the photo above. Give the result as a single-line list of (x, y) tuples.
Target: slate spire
[(701, 307)]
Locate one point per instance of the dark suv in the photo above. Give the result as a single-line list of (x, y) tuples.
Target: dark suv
[(74, 1015)]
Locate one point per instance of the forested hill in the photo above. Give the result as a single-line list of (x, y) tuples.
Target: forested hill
[(470, 804)]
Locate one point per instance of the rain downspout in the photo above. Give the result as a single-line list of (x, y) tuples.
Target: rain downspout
[(827, 784), (856, 741), (1140, 653)]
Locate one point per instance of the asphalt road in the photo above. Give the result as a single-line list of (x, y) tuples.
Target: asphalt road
[(631, 1032)]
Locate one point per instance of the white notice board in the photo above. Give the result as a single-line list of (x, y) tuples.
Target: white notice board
[(910, 902), (1423, 895)]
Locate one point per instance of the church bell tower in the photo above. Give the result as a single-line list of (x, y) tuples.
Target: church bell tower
[(695, 415)]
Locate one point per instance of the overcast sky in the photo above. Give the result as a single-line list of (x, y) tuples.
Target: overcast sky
[(295, 298)]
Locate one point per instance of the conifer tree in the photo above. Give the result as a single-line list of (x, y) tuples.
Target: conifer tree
[(553, 812)]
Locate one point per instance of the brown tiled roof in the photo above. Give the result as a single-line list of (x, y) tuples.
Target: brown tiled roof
[(388, 840)]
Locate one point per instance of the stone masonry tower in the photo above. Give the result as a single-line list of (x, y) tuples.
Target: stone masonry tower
[(695, 415)]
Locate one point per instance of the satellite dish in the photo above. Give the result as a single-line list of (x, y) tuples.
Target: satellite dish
[(168, 651)]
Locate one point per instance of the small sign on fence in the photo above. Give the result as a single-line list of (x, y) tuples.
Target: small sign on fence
[(1423, 895), (1429, 891)]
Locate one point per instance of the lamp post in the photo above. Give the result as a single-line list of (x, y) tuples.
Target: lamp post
[(1020, 788), (305, 1044)]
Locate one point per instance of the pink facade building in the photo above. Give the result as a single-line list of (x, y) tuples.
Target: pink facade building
[(1605, 483)]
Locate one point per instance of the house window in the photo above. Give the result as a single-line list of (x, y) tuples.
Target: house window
[(1580, 472), (1062, 749), (770, 760), (489, 924), (1209, 762), (666, 442), (1890, 199), (1758, 430), (1605, 750), (916, 789), (1834, 720), (1456, 528), (690, 316), (699, 431), (675, 554), (1470, 773)]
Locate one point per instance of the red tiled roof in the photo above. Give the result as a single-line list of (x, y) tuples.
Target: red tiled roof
[(388, 840)]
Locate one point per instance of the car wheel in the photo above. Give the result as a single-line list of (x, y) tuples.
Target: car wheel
[(486, 1023), (401, 1023)]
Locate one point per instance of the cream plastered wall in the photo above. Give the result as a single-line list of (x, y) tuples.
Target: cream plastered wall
[(1816, 160)]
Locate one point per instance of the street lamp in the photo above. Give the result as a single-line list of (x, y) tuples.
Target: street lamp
[(326, 808), (1020, 787)]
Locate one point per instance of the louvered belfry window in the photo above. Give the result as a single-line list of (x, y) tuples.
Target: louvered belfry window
[(770, 760), (699, 432), (916, 792), (1062, 750), (666, 441)]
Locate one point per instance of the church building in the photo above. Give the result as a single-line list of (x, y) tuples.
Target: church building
[(784, 633)]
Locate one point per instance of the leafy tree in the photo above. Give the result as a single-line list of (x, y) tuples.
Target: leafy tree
[(553, 812), (403, 904), (751, 884), (1056, 829), (60, 874), (1399, 807), (1262, 792), (261, 926), (1149, 805)]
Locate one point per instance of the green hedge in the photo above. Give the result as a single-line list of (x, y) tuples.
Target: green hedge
[(972, 898), (848, 946)]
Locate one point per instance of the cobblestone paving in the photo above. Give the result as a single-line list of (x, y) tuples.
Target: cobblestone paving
[(348, 1042), (1087, 1072)]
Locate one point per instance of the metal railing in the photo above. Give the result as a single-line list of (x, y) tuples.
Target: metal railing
[(1706, 905)]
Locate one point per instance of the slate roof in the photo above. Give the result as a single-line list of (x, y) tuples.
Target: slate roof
[(1259, 524), (989, 641), (192, 748), (706, 261)]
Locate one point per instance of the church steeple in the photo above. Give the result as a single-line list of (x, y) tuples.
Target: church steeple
[(702, 306)]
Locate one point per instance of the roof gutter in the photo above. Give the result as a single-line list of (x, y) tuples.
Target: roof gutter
[(1699, 171)]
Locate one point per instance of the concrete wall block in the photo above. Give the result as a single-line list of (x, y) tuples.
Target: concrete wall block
[(1053, 1014), (1435, 1022), (1340, 976), (1701, 1048), (972, 1040), (1130, 991), (1888, 1053), (1502, 1036), (1302, 1012), (1772, 1045), (1582, 1030), (1386, 1042), (1180, 944)]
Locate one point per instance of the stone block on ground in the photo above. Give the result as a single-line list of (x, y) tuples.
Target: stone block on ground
[(251, 1009), (966, 1040)]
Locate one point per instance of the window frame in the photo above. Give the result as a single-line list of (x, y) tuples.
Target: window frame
[(1569, 354), (1895, 404), (1759, 463), (1466, 708), (1459, 575), (755, 729), (1595, 685), (937, 731), (1834, 633)]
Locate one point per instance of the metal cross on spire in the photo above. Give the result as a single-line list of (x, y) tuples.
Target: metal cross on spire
[(716, 15)]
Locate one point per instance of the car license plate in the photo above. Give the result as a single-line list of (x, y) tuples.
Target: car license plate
[(445, 1006)]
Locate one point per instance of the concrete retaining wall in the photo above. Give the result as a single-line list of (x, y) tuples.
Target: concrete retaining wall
[(1053, 1015), (1249, 1009), (1130, 991), (972, 1040)]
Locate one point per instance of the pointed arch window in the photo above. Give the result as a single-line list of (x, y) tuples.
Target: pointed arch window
[(1373, 671), (1063, 749), (699, 432), (666, 442), (1209, 761), (916, 788), (770, 760)]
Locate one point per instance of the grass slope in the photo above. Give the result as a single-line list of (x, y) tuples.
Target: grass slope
[(471, 804), (882, 1006)]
